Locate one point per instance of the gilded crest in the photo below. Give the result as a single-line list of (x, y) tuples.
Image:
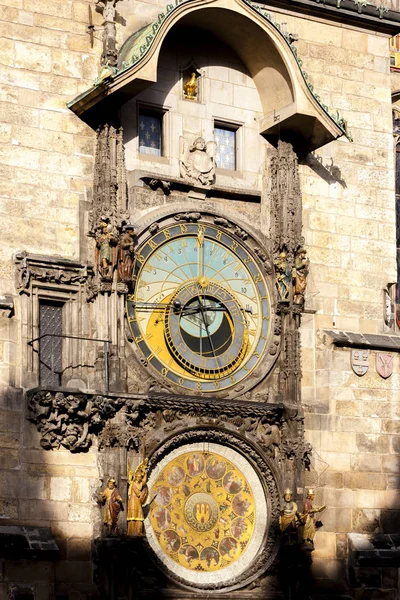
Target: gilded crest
[(384, 364), (359, 361)]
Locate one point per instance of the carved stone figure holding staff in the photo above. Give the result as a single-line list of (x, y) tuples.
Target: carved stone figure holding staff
[(137, 496), (126, 254)]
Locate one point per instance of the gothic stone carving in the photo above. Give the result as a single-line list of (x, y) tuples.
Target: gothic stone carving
[(197, 161), (70, 420), (286, 202), (31, 268), (109, 55), (110, 188)]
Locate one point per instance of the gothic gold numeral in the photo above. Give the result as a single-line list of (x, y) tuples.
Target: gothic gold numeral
[(139, 339), (218, 236), (183, 228), (217, 385), (234, 246), (140, 258), (167, 234), (198, 385), (164, 372), (256, 278), (152, 244), (181, 381), (232, 378)]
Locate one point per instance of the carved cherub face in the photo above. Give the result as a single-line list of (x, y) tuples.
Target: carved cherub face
[(199, 144)]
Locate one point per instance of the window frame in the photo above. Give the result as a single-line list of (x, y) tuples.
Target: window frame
[(163, 113), (237, 128)]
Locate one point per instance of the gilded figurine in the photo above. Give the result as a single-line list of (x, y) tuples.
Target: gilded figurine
[(137, 496), (289, 519), (126, 254), (106, 240), (197, 161), (308, 517), (111, 499), (190, 88), (283, 277), (300, 272)]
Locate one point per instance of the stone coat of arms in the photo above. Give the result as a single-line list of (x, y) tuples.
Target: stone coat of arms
[(384, 364), (360, 361)]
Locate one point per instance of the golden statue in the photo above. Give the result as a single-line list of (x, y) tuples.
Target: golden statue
[(190, 88), (289, 514), (111, 498), (310, 525), (137, 496)]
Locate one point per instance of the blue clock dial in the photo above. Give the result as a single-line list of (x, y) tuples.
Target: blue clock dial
[(200, 311)]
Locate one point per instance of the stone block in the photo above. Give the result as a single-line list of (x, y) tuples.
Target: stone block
[(67, 530), (390, 521), (78, 549), (348, 408), (60, 488), (9, 509), (76, 571), (391, 464), (364, 481), (28, 570), (32, 57), (66, 64), (43, 510), (365, 577), (80, 513), (325, 545), (370, 443), (365, 520), (366, 462)]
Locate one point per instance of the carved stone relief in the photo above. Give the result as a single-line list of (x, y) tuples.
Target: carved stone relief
[(197, 161)]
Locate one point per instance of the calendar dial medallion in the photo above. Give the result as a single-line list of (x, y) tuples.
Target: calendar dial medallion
[(200, 310)]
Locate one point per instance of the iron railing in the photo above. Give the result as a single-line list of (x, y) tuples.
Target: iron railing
[(77, 337)]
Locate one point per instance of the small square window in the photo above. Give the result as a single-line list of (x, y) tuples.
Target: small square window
[(150, 132), (225, 138)]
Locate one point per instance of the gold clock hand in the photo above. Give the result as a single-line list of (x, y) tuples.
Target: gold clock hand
[(208, 331)]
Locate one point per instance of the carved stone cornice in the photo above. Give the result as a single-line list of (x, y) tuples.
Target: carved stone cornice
[(31, 269), (73, 419)]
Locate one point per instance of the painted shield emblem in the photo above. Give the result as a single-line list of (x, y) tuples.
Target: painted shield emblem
[(359, 361), (384, 364)]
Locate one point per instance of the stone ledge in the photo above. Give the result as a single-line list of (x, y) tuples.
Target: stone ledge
[(379, 550), (27, 542), (372, 341)]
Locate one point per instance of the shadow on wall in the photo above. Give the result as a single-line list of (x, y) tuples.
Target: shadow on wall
[(329, 172)]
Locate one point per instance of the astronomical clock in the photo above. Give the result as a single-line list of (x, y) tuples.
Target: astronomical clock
[(201, 317), (200, 314)]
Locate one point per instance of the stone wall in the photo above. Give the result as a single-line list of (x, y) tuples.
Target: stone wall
[(46, 162)]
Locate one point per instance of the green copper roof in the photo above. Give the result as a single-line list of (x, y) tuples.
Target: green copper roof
[(139, 43)]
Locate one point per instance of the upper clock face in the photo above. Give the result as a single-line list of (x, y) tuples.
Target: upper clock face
[(200, 311)]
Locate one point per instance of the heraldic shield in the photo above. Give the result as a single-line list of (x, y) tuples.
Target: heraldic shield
[(359, 361), (384, 364)]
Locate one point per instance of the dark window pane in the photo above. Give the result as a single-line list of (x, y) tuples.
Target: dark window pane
[(225, 139), (50, 349), (150, 133)]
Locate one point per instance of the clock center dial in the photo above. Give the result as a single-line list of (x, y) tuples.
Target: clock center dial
[(208, 335)]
